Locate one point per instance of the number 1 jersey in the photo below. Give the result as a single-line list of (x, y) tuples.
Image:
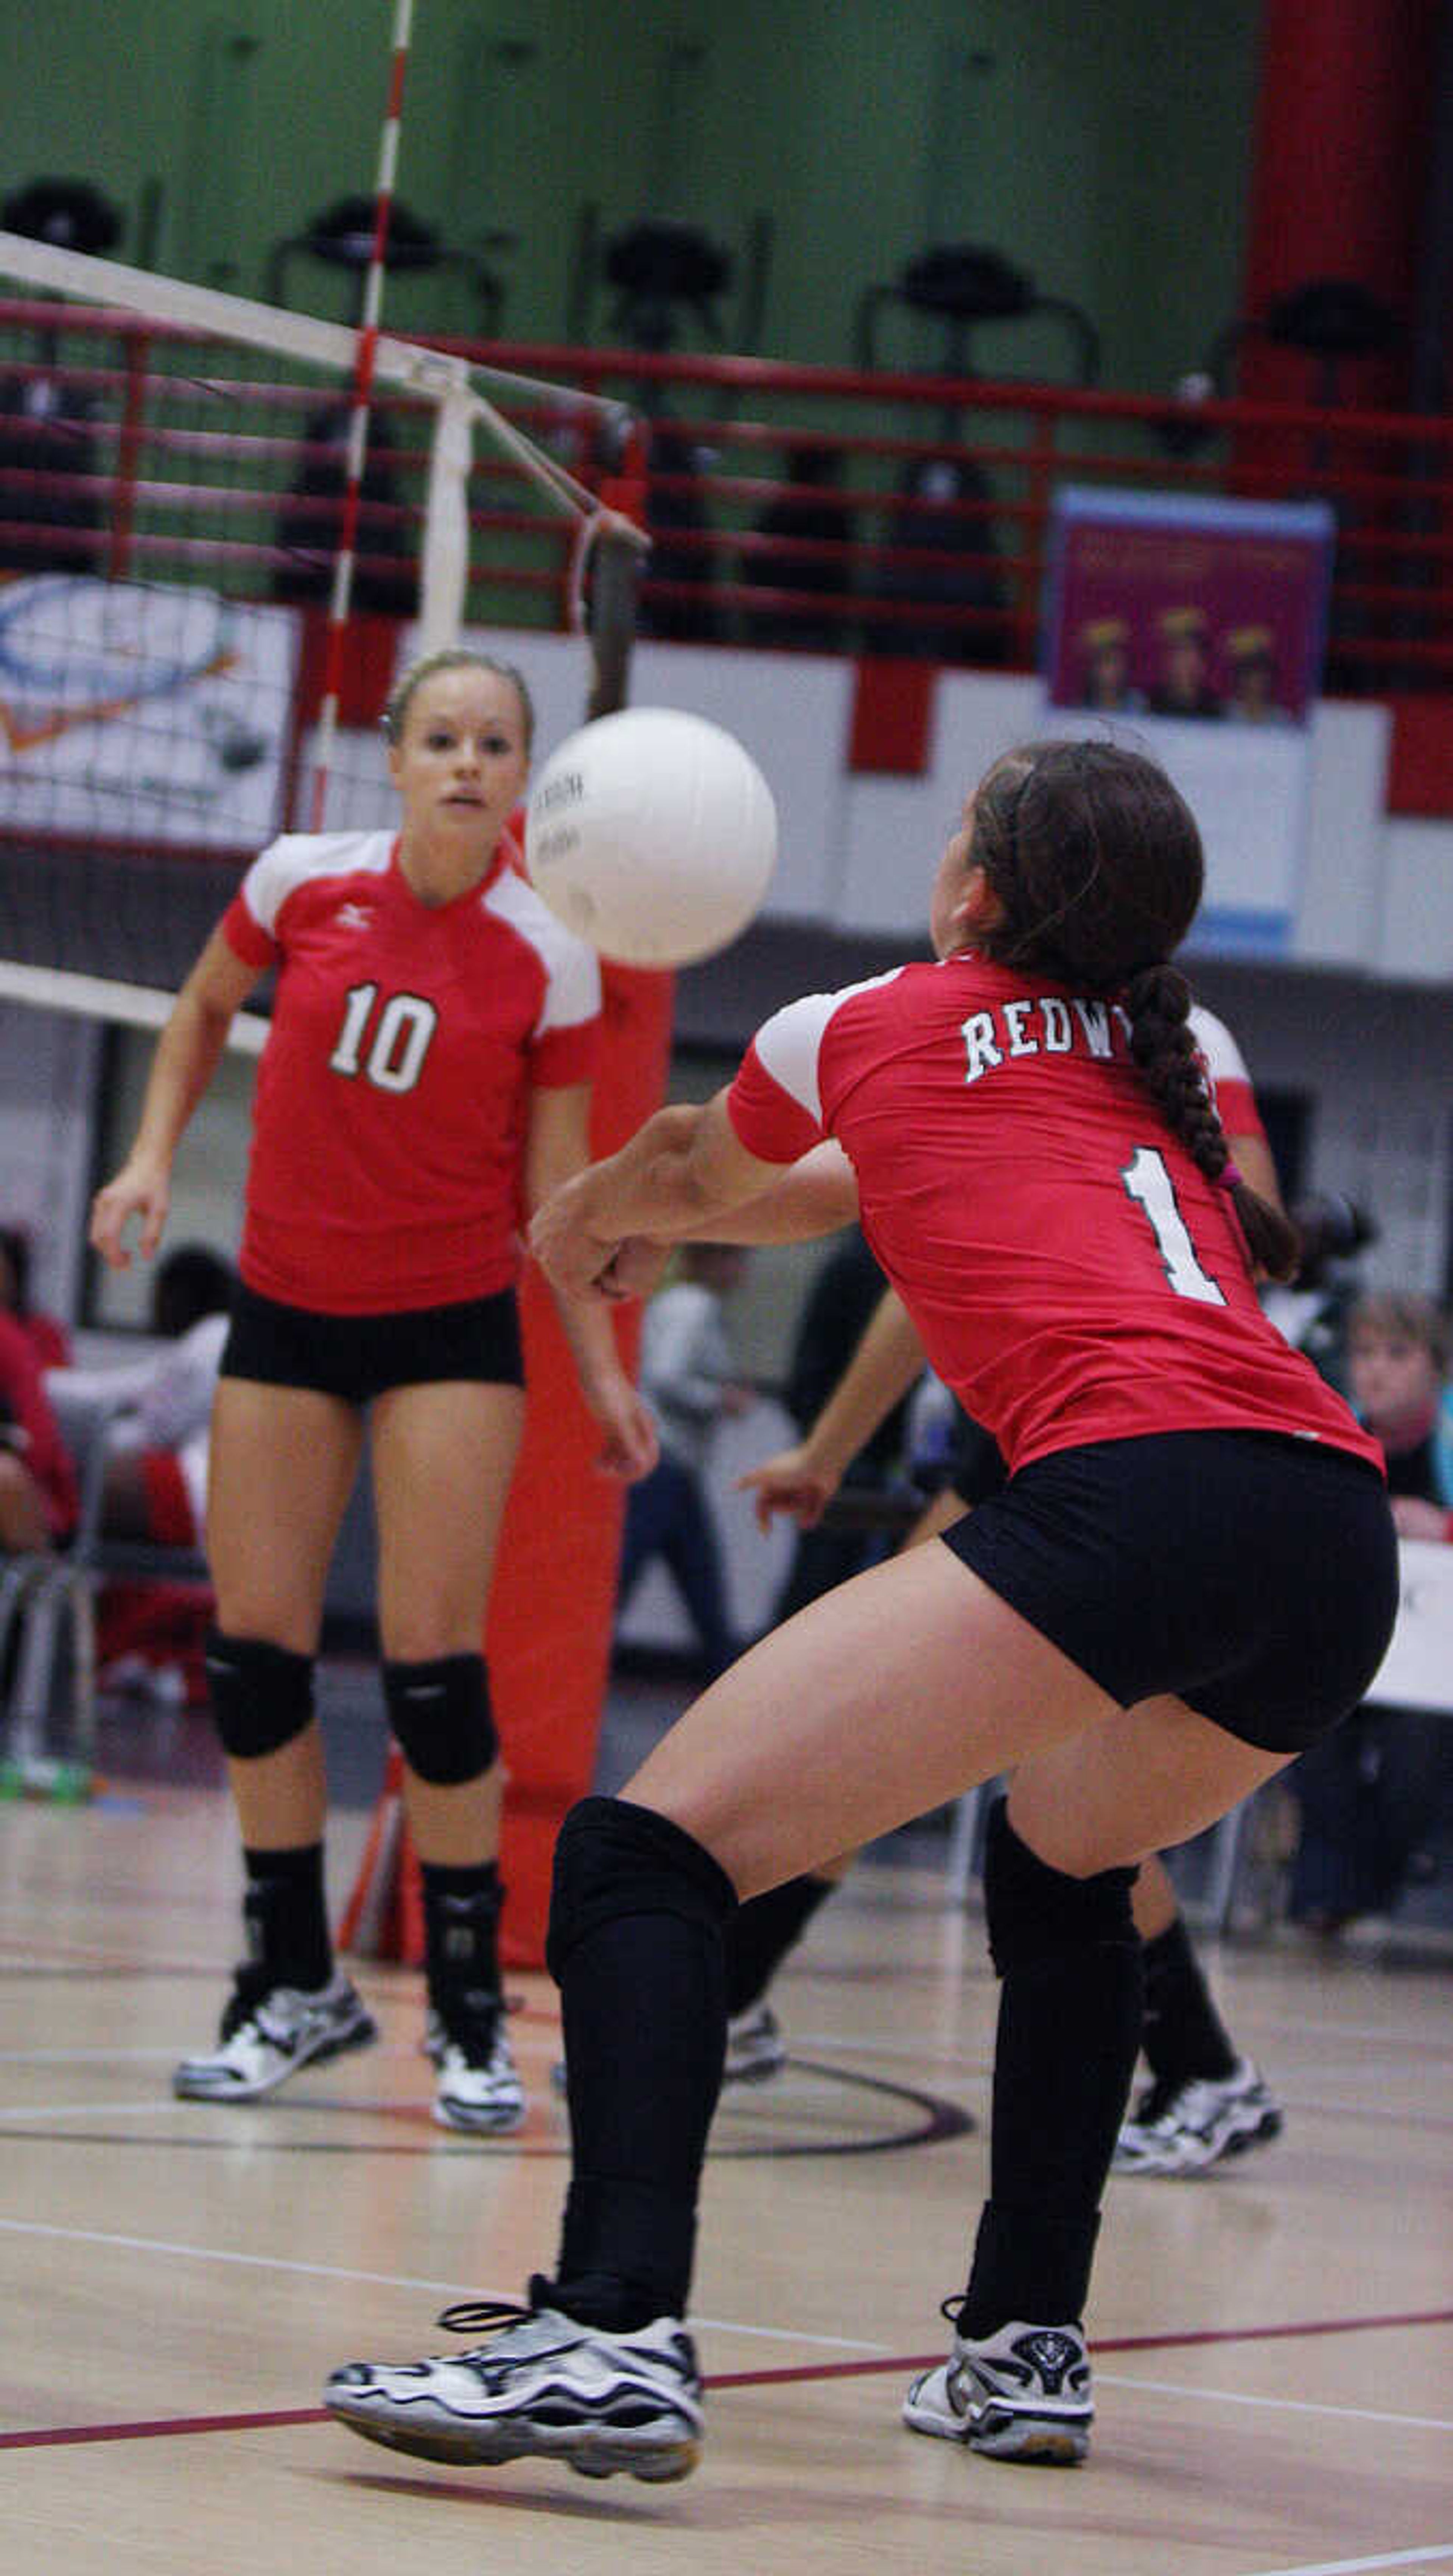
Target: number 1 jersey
[(1073, 1275), (393, 1091)]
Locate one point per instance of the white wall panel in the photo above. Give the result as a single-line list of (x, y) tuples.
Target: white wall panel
[(896, 827), (792, 712), (1415, 937), (1342, 874)]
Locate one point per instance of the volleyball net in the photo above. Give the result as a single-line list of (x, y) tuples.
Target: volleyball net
[(174, 467)]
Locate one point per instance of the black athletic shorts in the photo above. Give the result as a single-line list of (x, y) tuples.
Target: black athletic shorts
[(1252, 1575), (360, 1356)]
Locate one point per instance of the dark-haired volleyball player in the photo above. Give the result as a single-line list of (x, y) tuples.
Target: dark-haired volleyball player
[(427, 1073), (1204, 2100), (1044, 1179)]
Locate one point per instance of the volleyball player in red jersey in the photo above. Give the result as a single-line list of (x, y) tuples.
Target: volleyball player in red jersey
[(1204, 2100), (426, 1082), (1043, 1176)]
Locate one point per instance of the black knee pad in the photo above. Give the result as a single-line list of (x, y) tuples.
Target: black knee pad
[(1035, 1913), (262, 1695), (614, 1859), (441, 1714)]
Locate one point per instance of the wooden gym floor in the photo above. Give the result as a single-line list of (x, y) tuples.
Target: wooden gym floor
[(1273, 2343)]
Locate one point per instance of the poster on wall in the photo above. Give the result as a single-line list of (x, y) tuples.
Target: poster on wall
[(1197, 628), (143, 710)]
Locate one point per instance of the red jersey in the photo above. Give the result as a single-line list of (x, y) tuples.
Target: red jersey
[(38, 1441), (393, 1090), (1073, 1275)]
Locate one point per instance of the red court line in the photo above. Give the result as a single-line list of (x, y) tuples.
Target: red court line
[(176, 2424), (150, 2432), (1098, 2348)]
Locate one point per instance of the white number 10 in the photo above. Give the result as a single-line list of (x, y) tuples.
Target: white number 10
[(400, 1041), (1149, 1183)]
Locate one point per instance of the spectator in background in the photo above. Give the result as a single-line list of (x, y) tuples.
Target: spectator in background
[(1312, 1310), (155, 1416), (1372, 1791), (310, 518), (1252, 697), (689, 1381), (1184, 685), (156, 1474), (941, 554), (37, 1480), (680, 571), (1105, 667), (48, 1337), (808, 530)]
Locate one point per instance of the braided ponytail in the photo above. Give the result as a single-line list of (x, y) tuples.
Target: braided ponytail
[(1157, 1002)]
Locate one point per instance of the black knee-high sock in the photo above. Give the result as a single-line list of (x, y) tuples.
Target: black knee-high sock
[(636, 1947), (461, 1919), (1069, 2031), (285, 1913), (1183, 2035), (761, 1933)]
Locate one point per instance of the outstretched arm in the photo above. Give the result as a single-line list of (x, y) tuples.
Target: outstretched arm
[(679, 1177), (817, 1196)]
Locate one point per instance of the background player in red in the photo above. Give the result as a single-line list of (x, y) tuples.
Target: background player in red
[(1043, 1176), (425, 1083)]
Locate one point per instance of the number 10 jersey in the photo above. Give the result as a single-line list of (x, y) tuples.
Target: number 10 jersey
[(393, 1091)]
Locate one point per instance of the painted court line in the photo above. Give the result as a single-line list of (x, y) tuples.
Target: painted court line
[(12, 2121), (164, 2427), (1278, 2405), (380, 2280), (1364, 2566)]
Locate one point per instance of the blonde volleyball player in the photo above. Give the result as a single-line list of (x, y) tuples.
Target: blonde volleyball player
[(1043, 1176), (427, 1072)]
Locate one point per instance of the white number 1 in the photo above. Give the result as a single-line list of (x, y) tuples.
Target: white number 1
[(1149, 1183)]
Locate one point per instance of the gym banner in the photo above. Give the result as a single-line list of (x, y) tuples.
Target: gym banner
[(142, 710), (1197, 628)]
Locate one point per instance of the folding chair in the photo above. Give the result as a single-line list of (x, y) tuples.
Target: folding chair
[(54, 1597)]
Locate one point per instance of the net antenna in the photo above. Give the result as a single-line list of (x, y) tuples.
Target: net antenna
[(356, 452)]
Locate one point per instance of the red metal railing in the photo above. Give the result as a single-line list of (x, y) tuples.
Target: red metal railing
[(790, 505)]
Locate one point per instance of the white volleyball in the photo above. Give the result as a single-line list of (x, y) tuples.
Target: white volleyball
[(653, 835)]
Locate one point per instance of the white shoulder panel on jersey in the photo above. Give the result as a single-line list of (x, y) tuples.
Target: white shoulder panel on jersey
[(1224, 1060), (288, 863), (572, 971), (789, 1043)]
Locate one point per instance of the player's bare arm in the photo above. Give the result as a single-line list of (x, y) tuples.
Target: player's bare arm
[(186, 1058), (802, 1480), (817, 1196), (680, 1175), (557, 1149)]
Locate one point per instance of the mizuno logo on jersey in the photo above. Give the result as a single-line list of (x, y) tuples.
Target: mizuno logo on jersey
[(354, 916)]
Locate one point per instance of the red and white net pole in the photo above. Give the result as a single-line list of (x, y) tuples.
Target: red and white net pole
[(362, 392)]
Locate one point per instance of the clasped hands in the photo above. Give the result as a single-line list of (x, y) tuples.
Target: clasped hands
[(580, 1262)]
